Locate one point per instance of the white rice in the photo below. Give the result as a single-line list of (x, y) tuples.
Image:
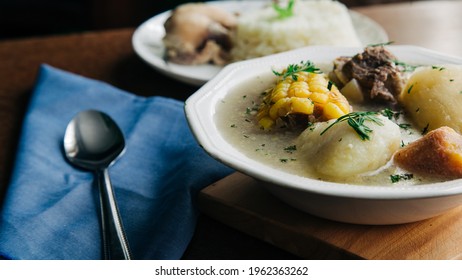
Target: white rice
[(315, 22)]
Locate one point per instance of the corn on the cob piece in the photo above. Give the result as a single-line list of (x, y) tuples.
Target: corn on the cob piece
[(303, 91)]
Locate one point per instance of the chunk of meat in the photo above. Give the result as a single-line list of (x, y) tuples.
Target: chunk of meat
[(198, 33), (437, 153), (375, 70)]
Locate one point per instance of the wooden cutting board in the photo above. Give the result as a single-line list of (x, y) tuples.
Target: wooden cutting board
[(240, 202)]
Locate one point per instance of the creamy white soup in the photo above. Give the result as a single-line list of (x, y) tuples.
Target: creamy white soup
[(236, 119)]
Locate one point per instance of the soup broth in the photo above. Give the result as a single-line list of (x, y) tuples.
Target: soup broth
[(236, 119)]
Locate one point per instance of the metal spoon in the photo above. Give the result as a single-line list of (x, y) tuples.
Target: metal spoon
[(93, 141)]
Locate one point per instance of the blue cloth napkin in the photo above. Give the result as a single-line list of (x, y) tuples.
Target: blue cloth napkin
[(51, 208)]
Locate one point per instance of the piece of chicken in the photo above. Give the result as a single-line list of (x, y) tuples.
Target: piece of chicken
[(199, 33)]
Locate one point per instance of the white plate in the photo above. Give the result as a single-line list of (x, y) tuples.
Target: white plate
[(147, 42), (341, 202)]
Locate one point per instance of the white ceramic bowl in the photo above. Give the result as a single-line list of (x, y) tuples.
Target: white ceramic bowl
[(336, 201)]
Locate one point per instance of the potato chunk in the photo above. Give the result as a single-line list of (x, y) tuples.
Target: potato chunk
[(437, 153), (433, 97), (340, 152)]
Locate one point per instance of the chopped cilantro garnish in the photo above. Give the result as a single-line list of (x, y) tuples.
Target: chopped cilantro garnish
[(425, 129), (406, 67), (390, 114), (439, 68), (285, 160), (398, 177), (329, 85), (410, 88), (293, 69), (404, 125), (290, 149)]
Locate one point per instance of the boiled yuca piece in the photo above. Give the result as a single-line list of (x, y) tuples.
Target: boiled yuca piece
[(433, 97), (337, 150)]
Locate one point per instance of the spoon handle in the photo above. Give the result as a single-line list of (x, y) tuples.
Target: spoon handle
[(115, 244)]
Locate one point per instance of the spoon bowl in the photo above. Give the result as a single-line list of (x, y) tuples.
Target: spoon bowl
[(93, 141)]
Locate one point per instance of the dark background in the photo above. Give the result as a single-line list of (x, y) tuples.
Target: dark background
[(25, 18)]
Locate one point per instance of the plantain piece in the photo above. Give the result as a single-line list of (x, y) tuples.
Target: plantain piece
[(302, 90)]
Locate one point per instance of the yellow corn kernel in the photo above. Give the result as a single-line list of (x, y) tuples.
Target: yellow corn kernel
[(303, 76), (301, 106), (344, 106), (263, 112), (299, 89), (280, 108), (278, 95), (280, 91), (332, 111), (318, 83), (266, 123), (319, 98), (318, 88), (338, 99)]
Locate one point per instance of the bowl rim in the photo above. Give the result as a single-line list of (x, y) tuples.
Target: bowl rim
[(200, 109)]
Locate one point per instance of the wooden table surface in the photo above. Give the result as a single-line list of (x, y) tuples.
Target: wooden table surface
[(236, 202), (241, 202)]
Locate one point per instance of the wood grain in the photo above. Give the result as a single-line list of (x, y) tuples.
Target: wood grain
[(242, 203)]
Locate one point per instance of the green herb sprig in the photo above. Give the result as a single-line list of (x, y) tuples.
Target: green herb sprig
[(293, 69), (390, 114), (357, 121), (381, 44), (284, 12)]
